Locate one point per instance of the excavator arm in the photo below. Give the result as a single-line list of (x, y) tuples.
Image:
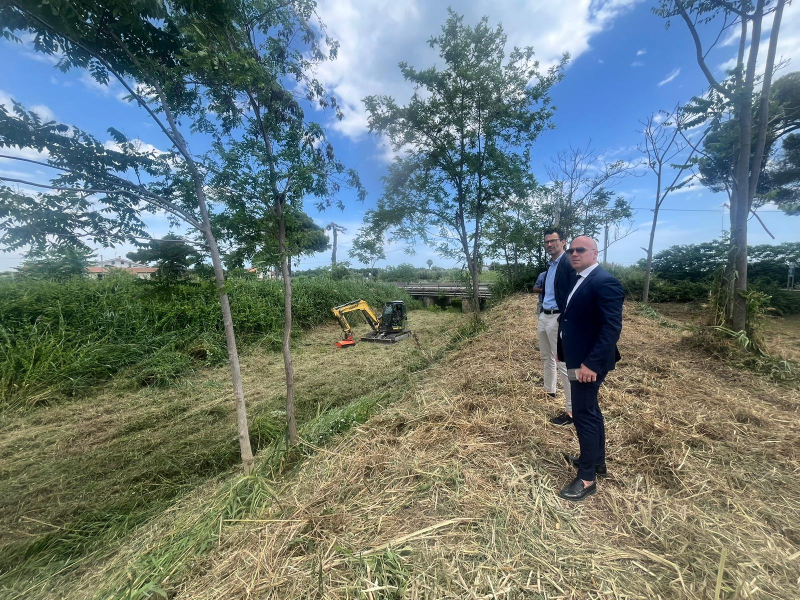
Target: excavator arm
[(357, 305)]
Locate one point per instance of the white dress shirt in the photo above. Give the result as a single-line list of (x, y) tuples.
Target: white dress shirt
[(581, 276)]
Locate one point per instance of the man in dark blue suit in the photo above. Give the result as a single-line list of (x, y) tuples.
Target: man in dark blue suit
[(589, 328)]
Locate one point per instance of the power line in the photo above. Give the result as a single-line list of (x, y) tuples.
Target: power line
[(714, 210)]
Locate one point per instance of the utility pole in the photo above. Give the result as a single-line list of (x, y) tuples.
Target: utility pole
[(605, 247), (336, 229), (790, 280)]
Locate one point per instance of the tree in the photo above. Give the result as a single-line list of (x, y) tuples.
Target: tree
[(720, 147), (578, 194), (662, 147), (144, 49), (699, 262), (164, 56), (736, 95), (57, 264), (785, 177), (462, 141), (404, 272), (514, 234), (254, 239), (172, 255), (336, 230), (280, 158)]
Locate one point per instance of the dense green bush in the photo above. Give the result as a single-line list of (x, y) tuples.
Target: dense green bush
[(785, 302), (632, 279), (699, 262), (62, 339)]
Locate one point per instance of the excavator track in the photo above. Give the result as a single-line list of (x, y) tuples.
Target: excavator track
[(385, 338)]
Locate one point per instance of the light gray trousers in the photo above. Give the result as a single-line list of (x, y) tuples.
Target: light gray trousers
[(548, 340)]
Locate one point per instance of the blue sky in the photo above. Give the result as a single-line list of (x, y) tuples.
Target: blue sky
[(625, 66)]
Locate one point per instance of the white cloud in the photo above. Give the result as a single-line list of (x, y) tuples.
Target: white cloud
[(642, 52), (92, 84), (44, 112), (138, 144), (375, 35), (672, 75), (114, 87), (27, 153), (637, 63)]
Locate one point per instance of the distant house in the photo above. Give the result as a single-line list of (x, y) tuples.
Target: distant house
[(104, 267)]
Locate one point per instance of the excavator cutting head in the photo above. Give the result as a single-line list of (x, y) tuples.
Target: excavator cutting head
[(347, 342)]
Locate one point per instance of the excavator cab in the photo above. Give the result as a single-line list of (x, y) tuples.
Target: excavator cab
[(394, 317), (388, 329)]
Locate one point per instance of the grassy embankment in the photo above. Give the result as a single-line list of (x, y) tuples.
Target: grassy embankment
[(78, 478), (451, 492)]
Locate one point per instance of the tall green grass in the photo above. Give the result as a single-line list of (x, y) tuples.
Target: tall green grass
[(59, 340)]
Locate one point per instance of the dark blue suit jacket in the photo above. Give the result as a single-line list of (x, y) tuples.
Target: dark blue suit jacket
[(591, 323), (564, 280)]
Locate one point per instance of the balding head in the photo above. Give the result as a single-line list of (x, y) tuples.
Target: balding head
[(582, 253)]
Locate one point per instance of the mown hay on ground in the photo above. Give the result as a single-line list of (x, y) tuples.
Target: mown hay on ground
[(452, 492)]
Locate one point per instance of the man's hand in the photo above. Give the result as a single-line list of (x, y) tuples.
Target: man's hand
[(586, 375)]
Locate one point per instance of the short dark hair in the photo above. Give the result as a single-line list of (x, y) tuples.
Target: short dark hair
[(551, 230)]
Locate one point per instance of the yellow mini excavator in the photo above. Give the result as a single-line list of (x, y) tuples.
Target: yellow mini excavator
[(390, 328)]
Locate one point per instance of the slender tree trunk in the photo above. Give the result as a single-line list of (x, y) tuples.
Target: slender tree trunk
[(649, 269), (291, 419), (243, 432), (605, 245), (333, 254), (230, 338), (476, 295), (516, 266)]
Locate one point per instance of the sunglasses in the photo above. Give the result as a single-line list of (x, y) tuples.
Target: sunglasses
[(579, 250)]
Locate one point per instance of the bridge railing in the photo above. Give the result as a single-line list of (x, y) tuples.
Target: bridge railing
[(444, 288)]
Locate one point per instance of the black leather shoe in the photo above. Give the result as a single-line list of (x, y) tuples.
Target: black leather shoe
[(573, 460), (563, 419), (576, 491)]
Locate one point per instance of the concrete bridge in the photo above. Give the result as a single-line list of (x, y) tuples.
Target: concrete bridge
[(444, 292)]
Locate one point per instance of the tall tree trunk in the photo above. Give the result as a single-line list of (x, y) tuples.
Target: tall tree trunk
[(333, 255), (649, 268), (291, 419), (738, 253), (242, 429), (605, 245), (230, 338), (476, 292), (516, 266)]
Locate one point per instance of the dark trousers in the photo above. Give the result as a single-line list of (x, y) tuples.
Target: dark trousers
[(590, 426)]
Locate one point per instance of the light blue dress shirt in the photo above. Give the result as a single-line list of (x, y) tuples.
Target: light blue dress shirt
[(549, 284)]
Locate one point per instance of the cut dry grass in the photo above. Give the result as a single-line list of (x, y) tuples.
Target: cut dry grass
[(77, 479), (451, 493)]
